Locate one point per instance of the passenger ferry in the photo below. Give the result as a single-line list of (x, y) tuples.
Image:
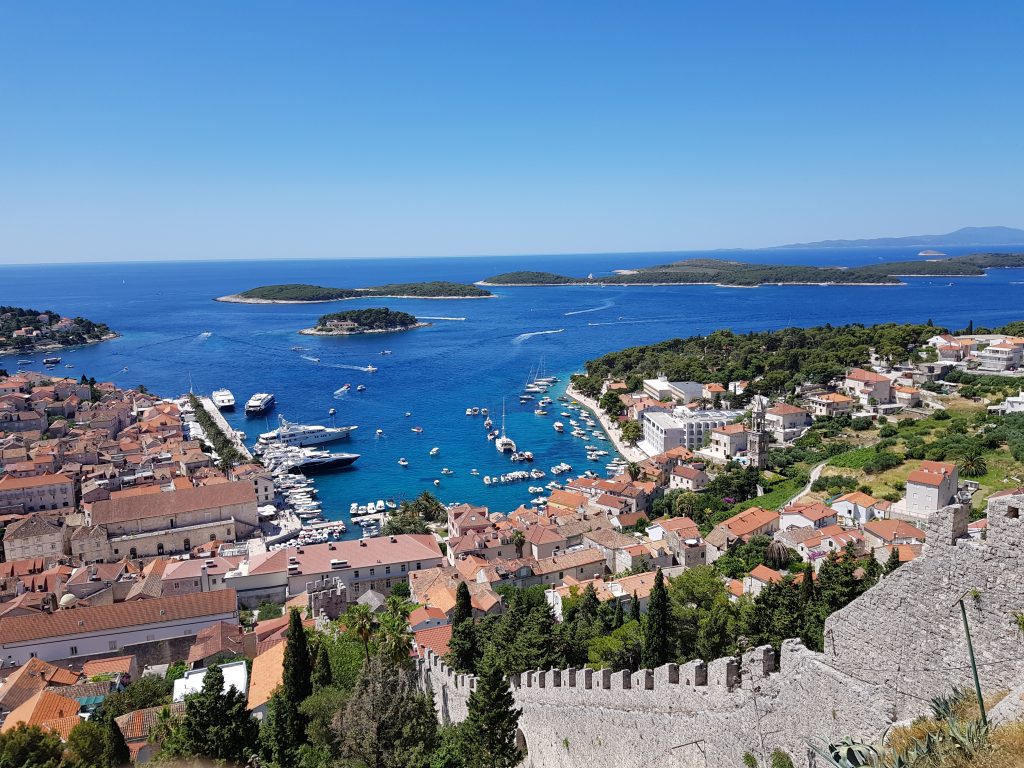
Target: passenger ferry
[(223, 399), (259, 403)]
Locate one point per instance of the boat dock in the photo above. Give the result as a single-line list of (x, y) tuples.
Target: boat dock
[(226, 428)]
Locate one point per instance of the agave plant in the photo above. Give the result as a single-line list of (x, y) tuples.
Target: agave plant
[(848, 753)]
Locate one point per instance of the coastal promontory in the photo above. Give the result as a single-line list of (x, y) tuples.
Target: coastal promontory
[(746, 274), (356, 321), (302, 293), (31, 330)]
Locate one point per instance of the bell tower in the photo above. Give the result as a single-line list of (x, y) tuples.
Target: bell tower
[(758, 438)]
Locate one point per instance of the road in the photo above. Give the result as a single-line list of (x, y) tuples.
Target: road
[(815, 474)]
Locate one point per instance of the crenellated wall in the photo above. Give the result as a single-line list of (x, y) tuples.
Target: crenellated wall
[(885, 654)]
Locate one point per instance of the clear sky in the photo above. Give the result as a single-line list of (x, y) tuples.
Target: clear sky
[(137, 130)]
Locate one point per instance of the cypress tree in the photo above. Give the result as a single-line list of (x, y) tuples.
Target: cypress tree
[(462, 645), (492, 720), (894, 560), (807, 594), (656, 648), (115, 750), (322, 677), (297, 666), (463, 605), (634, 608), (289, 726), (618, 620)]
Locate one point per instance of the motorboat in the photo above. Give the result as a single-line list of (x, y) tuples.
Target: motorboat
[(434, 451), (223, 398), (380, 433), (403, 462), (51, 360), (447, 471), (390, 504), (259, 403), (540, 412), (417, 430), (370, 369), (361, 388), (385, 351), (380, 506), (474, 472), (469, 411), (483, 411)]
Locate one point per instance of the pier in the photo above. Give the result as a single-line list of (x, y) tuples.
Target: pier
[(221, 422)]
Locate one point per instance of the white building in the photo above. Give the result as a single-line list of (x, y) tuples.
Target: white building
[(930, 488), (1000, 357), (235, 676), (786, 422), (663, 389), (683, 427)]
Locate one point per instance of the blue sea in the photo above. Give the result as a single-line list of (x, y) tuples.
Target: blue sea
[(476, 352)]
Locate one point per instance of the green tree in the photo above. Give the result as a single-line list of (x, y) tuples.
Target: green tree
[(618, 620), (518, 541), (28, 746), (492, 720), (321, 677), (268, 611), (394, 640), (86, 746), (387, 722), (361, 621), (148, 691), (894, 560), (115, 750), (971, 462), (216, 725), (657, 640), (632, 432), (634, 608)]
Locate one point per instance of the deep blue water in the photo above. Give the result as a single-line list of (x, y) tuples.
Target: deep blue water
[(164, 312)]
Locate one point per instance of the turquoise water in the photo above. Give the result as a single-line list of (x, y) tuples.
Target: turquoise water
[(173, 332)]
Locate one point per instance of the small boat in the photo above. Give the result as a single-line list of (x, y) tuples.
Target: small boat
[(417, 430), (403, 462), (475, 411), (483, 411), (69, 365), (390, 504), (565, 415), (536, 489), (407, 413), (380, 506), (385, 351), (298, 349), (434, 451), (447, 471), (361, 388), (488, 423), (345, 387), (540, 412), (370, 369), (51, 360), (487, 480), (380, 433), (437, 482), (25, 362), (474, 472), (558, 426), (469, 411)]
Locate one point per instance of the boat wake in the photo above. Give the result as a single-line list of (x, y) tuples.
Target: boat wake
[(606, 305), (311, 358), (365, 369), (425, 317), (524, 336), (205, 335), (639, 320)]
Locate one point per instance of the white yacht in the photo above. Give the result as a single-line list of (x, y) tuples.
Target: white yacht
[(258, 403), (223, 399), (504, 444), (302, 434)]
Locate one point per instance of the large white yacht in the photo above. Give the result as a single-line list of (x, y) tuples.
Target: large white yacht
[(258, 403), (223, 399), (301, 434)]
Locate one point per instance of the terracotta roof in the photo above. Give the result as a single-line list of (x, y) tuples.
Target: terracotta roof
[(610, 539), (172, 502), (114, 664), (30, 526), (135, 726), (920, 477), (100, 618), (730, 429), (684, 526), (690, 473), (41, 708), (426, 613), (859, 498), (62, 726), (30, 678), (434, 638), (735, 587), (813, 512), (749, 520), (765, 574), (567, 499), (219, 638), (11, 483), (887, 530), (833, 397), (907, 552), (785, 409), (316, 558), (267, 674), (859, 374), (566, 561), (543, 534)]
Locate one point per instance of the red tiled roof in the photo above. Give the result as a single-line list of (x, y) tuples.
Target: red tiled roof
[(434, 638)]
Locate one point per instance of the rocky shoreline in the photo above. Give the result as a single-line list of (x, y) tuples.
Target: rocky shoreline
[(237, 299), (55, 347), (318, 332)]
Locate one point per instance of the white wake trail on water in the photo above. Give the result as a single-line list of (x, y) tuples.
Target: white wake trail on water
[(524, 336), (640, 320), (425, 317), (606, 305)]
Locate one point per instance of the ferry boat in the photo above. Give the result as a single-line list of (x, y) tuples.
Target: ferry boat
[(259, 403), (51, 360), (302, 434), (223, 399)]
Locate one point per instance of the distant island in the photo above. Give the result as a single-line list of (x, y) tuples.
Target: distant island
[(356, 321), (301, 293), (31, 330), (966, 236), (744, 274)]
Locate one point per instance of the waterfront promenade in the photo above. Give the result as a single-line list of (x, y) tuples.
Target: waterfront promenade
[(611, 428), (219, 420)]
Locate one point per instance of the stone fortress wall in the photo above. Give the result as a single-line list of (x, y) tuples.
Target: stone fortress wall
[(885, 655)]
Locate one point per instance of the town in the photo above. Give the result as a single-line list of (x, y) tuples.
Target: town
[(131, 549)]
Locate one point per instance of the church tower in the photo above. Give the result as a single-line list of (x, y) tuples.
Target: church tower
[(758, 438)]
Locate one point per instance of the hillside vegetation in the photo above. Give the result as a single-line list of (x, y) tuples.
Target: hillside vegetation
[(371, 319), (303, 292), (738, 273), (81, 330)]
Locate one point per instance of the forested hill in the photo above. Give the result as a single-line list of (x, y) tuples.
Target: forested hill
[(772, 360), (23, 329), (301, 292), (738, 273), (370, 319)]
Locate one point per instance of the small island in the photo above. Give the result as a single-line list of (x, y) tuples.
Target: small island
[(356, 321), (740, 274), (301, 293), (25, 330)]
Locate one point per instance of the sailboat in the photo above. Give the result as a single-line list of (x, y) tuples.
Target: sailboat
[(504, 444)]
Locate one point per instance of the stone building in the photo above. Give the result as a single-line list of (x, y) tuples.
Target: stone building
[(37, 492), (34, 536)]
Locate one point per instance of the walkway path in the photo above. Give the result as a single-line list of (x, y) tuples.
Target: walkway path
[(815, 474), (629, 452), (221, 422)]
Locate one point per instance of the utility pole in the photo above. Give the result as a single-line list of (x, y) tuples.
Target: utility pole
[(974, 664)]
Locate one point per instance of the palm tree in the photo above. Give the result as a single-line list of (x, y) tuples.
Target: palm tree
[(360, 620), (395, 639), (633, 469), (518, 541), (971, 462)]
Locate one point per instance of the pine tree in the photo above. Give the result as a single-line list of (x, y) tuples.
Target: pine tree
[(634, 608), (216, 725), (807, 593), (492, 720), (462, 649), (321, 677), (297, 667), (657, 646)]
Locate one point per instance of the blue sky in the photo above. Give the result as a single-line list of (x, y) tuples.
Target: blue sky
[(327, 129)]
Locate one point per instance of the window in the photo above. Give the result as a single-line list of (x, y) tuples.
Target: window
[(387, 569), (74, 650), (417, 566), (388, 583), (32, 654), (1013, 512), (372, 571), (356, 574), (403, 567), (112, 645), (187, 544), (195, 583)]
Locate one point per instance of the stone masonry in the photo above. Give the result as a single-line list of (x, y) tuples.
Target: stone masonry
[(885, 655)]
